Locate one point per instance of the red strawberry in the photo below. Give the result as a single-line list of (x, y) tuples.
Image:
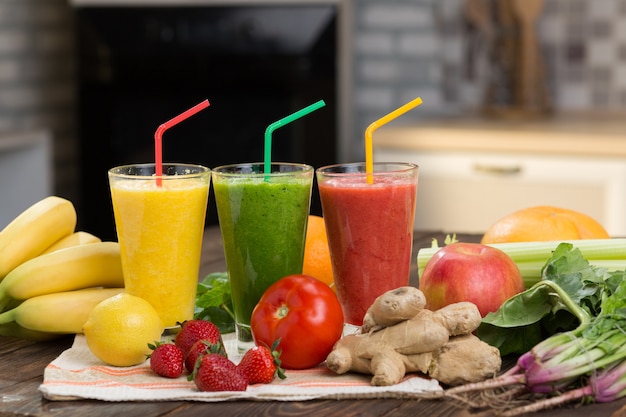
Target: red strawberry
[(200, 348), (193, 330), (166, 359), (215, 372), (261, 364)]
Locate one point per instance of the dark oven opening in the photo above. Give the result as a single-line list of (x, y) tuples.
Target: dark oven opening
[(141, 66)]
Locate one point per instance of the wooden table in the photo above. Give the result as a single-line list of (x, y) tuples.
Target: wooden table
[(22, 364)]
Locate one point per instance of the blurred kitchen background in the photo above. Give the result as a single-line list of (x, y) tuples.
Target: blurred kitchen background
[(79, 93)]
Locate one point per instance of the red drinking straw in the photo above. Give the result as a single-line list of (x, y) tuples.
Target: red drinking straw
[(158, 136)]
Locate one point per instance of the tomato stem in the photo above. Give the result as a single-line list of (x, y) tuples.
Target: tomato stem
[(282, 311)]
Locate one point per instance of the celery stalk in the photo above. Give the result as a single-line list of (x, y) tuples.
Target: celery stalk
[(541, 251), (530, 257)]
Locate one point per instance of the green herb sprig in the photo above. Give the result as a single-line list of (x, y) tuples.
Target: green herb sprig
[(214, 302)]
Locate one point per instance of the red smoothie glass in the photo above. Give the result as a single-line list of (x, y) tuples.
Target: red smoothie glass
[(369, 220)]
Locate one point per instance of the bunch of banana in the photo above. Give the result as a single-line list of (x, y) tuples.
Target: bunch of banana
[(34, 230), (50, 275), (74, 239)]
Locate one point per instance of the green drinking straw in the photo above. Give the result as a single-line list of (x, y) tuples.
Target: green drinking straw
[(285, 120)]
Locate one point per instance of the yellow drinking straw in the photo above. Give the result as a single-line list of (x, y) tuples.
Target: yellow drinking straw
[(369, 153)]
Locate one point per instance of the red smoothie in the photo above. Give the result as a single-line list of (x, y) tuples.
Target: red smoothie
[(370, 234)]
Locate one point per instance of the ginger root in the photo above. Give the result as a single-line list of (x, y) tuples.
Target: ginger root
[(436, 343), (464, 359), (393, 307)]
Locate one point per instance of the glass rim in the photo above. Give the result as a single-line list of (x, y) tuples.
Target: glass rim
[(121, 171), (358, 168), (235, 169)]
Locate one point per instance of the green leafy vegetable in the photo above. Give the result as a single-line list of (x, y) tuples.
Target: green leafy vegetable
[(586, 363), (214, 303), (570, 292)]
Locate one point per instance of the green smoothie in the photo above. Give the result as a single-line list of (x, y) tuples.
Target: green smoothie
[(263, 224)]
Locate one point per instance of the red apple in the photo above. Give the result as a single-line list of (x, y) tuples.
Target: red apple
[(473, 272)]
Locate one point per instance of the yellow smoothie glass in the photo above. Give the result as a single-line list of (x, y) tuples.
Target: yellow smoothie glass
[(160, 229)]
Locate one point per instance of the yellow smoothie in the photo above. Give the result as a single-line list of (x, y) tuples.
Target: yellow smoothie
[(160, 233)]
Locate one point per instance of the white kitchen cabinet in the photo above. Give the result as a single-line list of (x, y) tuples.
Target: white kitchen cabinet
[(468, 190)]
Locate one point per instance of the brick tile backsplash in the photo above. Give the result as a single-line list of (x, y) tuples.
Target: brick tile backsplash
[(402, 49), (13, 40), (9, 70), (394, 15), (37, 87)]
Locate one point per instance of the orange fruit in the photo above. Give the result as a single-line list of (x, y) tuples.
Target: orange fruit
[(544, 223), (316, 252)]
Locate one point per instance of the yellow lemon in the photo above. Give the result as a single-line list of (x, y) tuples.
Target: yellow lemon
[(119, 329)]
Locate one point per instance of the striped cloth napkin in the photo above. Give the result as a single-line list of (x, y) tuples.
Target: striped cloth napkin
[(77, 374)]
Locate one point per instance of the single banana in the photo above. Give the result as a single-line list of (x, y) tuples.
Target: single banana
[(94, 265), (63, 312), (12, 329), (35, 229), (74, 239)]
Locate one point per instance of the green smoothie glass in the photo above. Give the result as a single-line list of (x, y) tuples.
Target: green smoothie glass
[(263, 218)]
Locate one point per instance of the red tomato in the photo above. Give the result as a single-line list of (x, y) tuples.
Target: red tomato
[(304, 314)]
